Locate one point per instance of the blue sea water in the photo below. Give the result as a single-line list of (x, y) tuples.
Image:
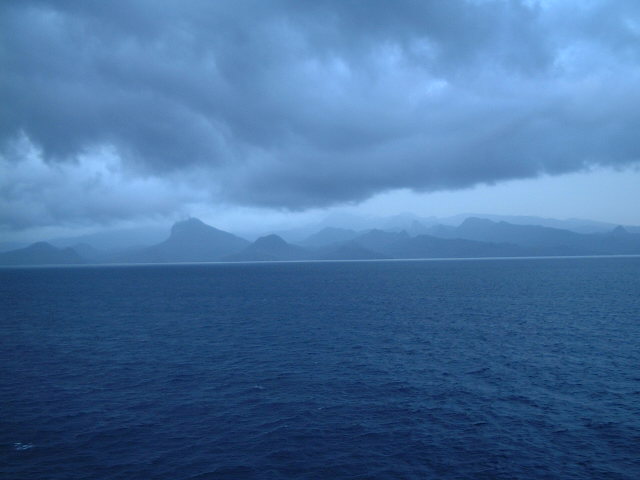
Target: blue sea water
[(478, 369)]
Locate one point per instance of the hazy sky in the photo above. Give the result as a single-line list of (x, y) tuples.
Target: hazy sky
[(130, 111)]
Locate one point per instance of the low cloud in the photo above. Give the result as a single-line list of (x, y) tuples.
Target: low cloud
[(94, 189)]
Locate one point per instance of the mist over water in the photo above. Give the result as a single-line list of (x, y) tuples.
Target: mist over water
[(493, 369)]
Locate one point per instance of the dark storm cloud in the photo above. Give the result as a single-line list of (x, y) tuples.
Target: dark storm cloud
[(304, 104)]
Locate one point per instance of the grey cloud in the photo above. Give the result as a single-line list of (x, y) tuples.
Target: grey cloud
[(304, 104), (93, 190)]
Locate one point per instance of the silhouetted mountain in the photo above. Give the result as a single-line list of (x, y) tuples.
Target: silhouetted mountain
[(417, 228), (618, 241), (115, 240), (381, 244), (381, 241), (619, 231), (274, 248), (193, 241), (577, 225), (41, 253), (329, 236), (401, 245), (524, 235), (404, 221), (441, 231), (87, 252), (348, 251), (427, 246), (268, 248), (190, 241), (543, 240)]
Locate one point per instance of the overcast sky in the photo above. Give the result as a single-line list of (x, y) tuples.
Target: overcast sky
[(131, 111)]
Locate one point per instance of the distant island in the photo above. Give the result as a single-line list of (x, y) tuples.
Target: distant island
[(192, 240)]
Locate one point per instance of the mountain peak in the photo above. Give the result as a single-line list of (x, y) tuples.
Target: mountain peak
[(334, 230), (40, 253), (190, 224), (42, 247), (476, 221), (191, 240), (269, 248), (193, 229), (328, 236), (270, 241), (619, 230)]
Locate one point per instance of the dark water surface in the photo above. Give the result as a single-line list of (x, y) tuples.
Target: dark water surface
[(488, 369)]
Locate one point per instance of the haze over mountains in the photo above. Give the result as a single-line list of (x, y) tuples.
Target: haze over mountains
[(192, 240), (41, 253), (189, 241)]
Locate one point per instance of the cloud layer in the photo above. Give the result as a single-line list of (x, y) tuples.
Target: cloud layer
[(296, 105)]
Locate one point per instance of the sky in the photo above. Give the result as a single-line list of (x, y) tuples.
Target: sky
[(262, 113)]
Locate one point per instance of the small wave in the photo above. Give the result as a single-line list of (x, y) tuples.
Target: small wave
[(22, 446), (478, 371)]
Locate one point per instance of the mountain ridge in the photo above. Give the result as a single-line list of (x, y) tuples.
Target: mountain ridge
[(41, 253), (192, 240)]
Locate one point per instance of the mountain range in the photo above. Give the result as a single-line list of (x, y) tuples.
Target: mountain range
[(194, 241)]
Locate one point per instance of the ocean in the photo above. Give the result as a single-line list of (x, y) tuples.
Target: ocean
[(469, 369)]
